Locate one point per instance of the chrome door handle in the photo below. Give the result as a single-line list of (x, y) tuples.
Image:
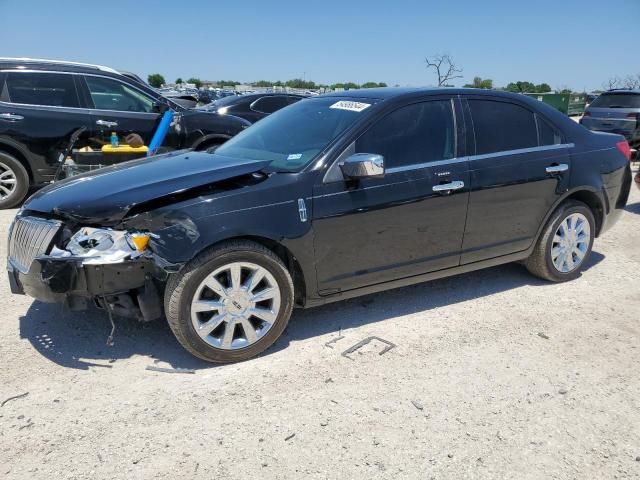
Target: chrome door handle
[(563, 167), (106, 123), (12, 117), (445, 187)]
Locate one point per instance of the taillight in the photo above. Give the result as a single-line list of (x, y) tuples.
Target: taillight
[(623, 146), (586, 114)]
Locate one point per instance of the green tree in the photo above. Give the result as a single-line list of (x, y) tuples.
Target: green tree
[(228, 83), (373, 85), (351, 86), (263, 83), (155, 80), (479, 82), (196, 81), (543, 88), (521, 87), (300, 83), (179, 80), (527, 87)]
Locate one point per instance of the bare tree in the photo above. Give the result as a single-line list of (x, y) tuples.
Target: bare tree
[(445, 68), (631, 82), (613, 82)]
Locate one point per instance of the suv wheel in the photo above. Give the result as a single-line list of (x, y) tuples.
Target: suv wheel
[(565, 244), (230, 303), (14, 181)]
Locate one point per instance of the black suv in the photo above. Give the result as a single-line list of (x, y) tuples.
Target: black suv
[(330, 198), (43, 102)]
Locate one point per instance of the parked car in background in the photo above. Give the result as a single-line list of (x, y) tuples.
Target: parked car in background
[(336, 196), (615, 111), (43, 102), (252, 107)]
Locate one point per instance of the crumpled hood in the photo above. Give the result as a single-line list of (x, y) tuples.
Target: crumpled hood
[(106, 195)]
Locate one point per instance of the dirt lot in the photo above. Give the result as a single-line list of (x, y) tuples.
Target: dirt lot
[(495, 375)]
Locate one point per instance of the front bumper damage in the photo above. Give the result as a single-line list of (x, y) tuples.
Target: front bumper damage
[(131, 288)]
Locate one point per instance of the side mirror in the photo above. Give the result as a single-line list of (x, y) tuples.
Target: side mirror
[(159, 107), (363, 165)]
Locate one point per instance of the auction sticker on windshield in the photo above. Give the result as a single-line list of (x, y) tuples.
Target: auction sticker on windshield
[(351, 106)]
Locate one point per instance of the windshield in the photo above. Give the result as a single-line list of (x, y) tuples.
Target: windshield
[(617, 100), (293, 136)]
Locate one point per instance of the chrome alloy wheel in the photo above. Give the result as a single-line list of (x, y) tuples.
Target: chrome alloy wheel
[(235, 305), (570, 243), (7, 181)]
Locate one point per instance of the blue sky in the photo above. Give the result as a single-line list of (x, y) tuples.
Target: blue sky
[(561, 42)]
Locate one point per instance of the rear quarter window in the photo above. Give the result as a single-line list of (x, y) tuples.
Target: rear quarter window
[(547, 133)]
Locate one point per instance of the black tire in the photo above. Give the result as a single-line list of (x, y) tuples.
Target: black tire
[(181, 288), (22, 181), (540, 263)]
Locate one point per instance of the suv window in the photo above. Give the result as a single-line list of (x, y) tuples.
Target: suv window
[(414, 134), (547, 134), (501, 126), (110, 94), (33, 88), (269, 104), (617, 100)]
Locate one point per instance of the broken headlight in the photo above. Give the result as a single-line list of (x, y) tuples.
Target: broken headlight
[(101, 245)]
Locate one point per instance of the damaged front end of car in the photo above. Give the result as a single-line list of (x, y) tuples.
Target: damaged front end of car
[(112, 237), (111, 268)]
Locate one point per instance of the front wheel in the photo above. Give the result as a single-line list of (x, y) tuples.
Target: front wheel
[(565, 244), (230, 303), (14, 181)]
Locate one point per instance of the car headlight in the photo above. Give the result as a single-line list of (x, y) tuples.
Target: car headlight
[(223, 110), (101, 245)]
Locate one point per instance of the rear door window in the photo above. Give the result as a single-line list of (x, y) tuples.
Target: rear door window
[(45, 89), (412, 135), (501, 126), (617, 100), (108, 94)]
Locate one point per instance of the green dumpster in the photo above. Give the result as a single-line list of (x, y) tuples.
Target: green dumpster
[(567, 103)]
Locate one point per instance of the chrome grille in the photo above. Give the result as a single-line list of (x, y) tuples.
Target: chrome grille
[(30, 237)]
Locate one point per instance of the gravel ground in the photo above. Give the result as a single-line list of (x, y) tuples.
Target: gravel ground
[(495, 375)]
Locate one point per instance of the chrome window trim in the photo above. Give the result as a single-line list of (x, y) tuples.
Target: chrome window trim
[(14, 70), (518, 151), (484, 156)]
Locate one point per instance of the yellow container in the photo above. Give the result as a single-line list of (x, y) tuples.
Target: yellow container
[(124, 148)]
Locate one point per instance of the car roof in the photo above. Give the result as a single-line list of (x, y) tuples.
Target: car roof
[(384, 93), (621, 90), (62, 65)]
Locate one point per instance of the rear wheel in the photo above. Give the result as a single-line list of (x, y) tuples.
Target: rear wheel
[(565, 243), (230, 303), (14, 181)]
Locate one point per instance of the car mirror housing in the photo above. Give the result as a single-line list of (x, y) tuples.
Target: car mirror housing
[(363, 165)]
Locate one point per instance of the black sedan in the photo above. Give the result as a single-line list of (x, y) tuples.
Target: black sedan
[(252, 107), (336, 196)]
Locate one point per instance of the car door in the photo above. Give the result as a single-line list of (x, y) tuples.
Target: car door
[(38, 113), (118, 107), (519, 170), (408, 222)]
